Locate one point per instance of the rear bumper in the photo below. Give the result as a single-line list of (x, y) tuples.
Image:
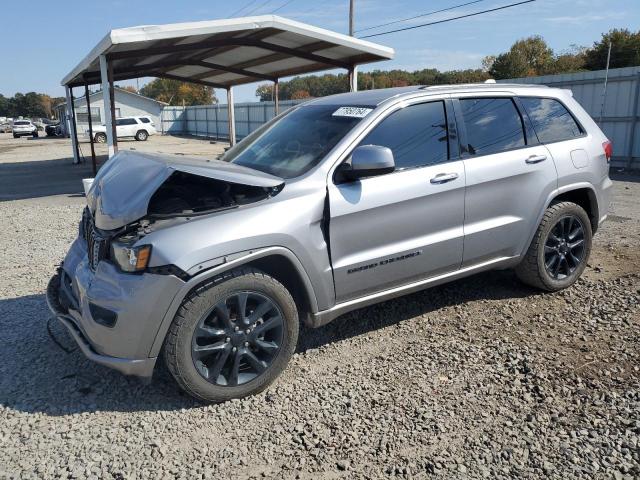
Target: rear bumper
[(136, 367)]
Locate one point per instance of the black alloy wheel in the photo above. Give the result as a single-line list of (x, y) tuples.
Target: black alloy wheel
[(565, 247), (238, 339)]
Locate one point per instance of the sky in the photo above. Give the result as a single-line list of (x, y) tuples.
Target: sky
[(52, 37)]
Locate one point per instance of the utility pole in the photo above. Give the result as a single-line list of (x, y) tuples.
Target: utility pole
[(604, 89), (351, 17), (353, 73)]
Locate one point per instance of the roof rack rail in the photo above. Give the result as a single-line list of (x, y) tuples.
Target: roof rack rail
[(481, 85)]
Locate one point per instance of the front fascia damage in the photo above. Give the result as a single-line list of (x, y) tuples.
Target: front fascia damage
[(132, 186)]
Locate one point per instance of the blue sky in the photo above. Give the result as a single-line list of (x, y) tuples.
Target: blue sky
[(54, 36)]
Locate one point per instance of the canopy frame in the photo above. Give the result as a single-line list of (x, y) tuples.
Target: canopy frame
[(217, 54)]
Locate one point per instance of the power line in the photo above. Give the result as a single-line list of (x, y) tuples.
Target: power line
[(448, 19), (258, 7), (282, 6), (420, 16), (242, 8)]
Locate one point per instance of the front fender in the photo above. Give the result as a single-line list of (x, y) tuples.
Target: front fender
[(224, 264)]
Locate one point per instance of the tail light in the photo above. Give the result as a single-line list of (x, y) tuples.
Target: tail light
[(608, 150)]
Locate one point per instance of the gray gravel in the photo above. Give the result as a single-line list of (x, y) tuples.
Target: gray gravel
[(482, 378)]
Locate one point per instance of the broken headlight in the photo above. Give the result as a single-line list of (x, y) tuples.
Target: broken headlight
[(128, 257)]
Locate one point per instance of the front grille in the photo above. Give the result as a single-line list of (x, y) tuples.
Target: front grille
[(97, 245)]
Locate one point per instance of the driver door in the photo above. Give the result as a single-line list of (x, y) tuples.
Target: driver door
[(393, 229)]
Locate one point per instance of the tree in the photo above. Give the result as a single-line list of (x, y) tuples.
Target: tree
[(526, 57), (300, 94), (625, 50), (4, 106), (175, 92)]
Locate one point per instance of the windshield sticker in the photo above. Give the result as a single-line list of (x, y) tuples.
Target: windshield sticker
[(357, 112)]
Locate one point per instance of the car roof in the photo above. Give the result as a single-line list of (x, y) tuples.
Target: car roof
[(376, 97)]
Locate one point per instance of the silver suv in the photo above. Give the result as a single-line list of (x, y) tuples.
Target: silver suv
[(336, 204)]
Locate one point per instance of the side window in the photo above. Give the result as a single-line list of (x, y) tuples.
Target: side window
[(144, 120), (126, 121), (493, 125), (417, 135), (551, 120)]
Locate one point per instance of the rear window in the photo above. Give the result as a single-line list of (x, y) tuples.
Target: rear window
[(144, 120), (493, 125), (21, 123), (551, 120)]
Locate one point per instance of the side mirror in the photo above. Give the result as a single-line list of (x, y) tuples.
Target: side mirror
[(368, 161)]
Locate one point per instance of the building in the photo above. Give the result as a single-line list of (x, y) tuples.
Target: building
[(127, 104)]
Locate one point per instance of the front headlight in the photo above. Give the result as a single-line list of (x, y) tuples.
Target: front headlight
[(130, 258)]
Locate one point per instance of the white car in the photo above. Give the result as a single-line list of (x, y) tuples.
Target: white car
[(23, 128), (139, 128)]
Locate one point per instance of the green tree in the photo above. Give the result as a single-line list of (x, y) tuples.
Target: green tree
[(625, 50), (4, 106), (526, 57), (175, 92)]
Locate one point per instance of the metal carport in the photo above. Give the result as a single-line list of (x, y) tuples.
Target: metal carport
[(217, 53)]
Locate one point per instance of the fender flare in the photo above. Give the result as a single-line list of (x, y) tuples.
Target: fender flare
[(229, 262), (552, 195)]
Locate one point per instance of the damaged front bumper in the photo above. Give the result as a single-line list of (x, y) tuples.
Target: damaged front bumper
[(113, 316)]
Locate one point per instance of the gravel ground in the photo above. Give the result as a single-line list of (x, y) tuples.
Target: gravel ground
[(481, 378)]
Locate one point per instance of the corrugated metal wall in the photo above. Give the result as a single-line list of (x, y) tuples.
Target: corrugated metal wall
[(620, 114), (212, 121)]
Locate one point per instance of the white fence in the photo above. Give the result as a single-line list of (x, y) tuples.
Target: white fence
[(619, 117), (212, 121)]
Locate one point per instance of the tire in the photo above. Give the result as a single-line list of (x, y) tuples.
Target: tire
[(35, 134), (557, 247), (15, 136), (142, 135), (210, 378), (100, 137)]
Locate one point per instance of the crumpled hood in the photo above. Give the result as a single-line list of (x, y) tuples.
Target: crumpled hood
[(124, 185)]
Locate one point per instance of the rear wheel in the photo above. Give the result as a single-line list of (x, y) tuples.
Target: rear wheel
[(232, 337), (100, 137), (142, 135), (560, 249)]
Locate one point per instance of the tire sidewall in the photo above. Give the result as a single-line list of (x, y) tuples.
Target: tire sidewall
[(142, 136), (100, 138), (568, 209), (201, 304)]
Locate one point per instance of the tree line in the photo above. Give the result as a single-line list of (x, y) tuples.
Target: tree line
[(527, 57), (30, 105)]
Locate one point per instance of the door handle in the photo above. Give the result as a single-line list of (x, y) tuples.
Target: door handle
[(536, 159), (444, 178)]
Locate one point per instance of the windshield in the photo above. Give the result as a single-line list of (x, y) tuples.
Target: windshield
[(21, 123), (298, 141)]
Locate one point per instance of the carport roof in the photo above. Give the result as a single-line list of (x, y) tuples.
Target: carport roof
[(223, 53)]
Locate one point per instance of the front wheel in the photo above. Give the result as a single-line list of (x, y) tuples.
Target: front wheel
[(100, 137), (232, 337), (560, 249)]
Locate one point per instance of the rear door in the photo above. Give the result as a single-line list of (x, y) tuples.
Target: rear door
[(509, 177), (393, 229), (126, 127)]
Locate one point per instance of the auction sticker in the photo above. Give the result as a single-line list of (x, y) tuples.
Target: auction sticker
[(357, 112)]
